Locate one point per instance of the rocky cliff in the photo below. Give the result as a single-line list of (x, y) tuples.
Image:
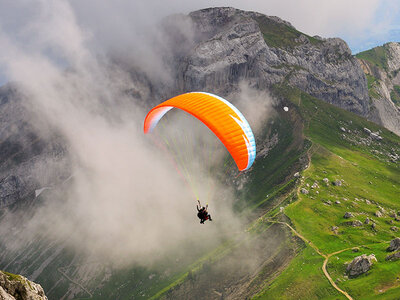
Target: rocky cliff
[(233, 45), (381, 66), (17, 287)]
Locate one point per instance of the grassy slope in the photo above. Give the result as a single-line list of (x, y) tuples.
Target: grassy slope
[(367, 174), (377, 56)]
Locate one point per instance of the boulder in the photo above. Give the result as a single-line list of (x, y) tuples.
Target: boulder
[(367, 130), (348, 215), (304, 191), (326, 180), (337, 183), (394, 245), (394, 256), (378, 214), (394, 228), (367, 220), (360, 265), (356, 223)]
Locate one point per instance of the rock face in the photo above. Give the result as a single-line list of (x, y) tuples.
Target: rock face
[(234, 45), (394, 245), (24, 151), (16, 287), (382, 65), (360, 265)]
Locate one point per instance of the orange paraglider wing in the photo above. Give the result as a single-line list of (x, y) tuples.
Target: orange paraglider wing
[(220, 116)]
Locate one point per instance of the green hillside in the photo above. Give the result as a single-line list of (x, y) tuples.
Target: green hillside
[(376, 56), (370, 183)]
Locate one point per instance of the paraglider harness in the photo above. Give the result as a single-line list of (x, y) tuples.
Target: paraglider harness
[(202, 213)]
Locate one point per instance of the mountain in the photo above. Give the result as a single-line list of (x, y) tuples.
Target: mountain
[(381, 66), (316, 162)]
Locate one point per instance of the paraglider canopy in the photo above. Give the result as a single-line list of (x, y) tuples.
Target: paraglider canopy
[(220, 116)]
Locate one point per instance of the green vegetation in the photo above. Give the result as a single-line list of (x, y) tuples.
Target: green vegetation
[(372, 82), (302, 279), (13, 277), (395, 95), (381, 282), (377, 56), (281, 35), (370, 183)]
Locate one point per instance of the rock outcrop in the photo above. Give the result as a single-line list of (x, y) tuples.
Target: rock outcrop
[(394, 245), (360, 265), (234, 45), (348, 215), (17, 287), (381, 66)]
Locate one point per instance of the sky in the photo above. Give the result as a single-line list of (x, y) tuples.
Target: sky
[(363, 24)]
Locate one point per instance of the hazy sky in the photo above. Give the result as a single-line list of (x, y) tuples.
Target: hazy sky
[(363, 24)]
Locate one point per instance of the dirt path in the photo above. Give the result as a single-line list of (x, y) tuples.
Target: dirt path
[(330, 278), (326, 256), (75, 282)]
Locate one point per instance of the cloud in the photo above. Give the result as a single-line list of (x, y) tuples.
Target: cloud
[(325, 18), (125, 201)]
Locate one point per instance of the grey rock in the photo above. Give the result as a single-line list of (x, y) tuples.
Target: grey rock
[(394, 244), (394, 256), (383, 110), (348, 215), (231, 48), (326, 180), (337, 182), (356, 223), (367, 220), (378, 214), (337, 202), (18, 287), (394, 228), (375, 136), (367, 130), (296, 175), (360, 265), (304, 191)]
